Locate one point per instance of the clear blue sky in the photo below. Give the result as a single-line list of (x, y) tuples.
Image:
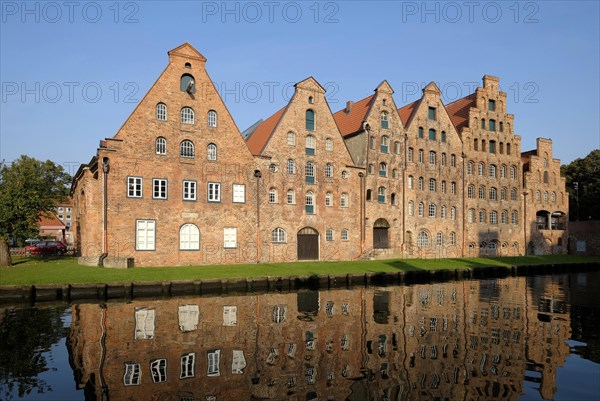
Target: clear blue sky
[(72, 72)]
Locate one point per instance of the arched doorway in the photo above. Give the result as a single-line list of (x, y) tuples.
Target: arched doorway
[(380, 234), (308, 244)]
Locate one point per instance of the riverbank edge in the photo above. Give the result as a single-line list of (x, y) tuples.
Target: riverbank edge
[(34, 294)]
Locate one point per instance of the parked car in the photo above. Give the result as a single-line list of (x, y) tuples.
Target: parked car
[(46, 248)]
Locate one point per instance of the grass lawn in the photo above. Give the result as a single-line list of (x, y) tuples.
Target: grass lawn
[(52, 270)]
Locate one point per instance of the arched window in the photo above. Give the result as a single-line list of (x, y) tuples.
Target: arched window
[(493, 194), (410, 182), (493, 217), (513, 172), (211, 118), (545, 177), (384, 147), (503, 171), (470, 168), (503, 193), (439, 239), (382, 169), (311, 144), (431, 157), (443, 187), (452, 160), (482, 216), (311, 100), (291, 139), (161, 146), (310, 120), (537, 195), (344, 234), (328, 199), (513, 194), (452, 238), (504, 217), (421, 183), (471, 216), (397, 147), (189, 237), (475, 146), (309, 172), (410, 154), (329, 170), (421, 155), (508, 148), (187, 83), (443, 160), (432, 134), (432, 210), (395, 173), (278, 235), (329, 234), (384, 119), (432, 185), (443, 136), (211, 152), (329, 144), (291, 166), (381, 193), (423, 239), (291, 197), (187, 115), (471, 192), (453, 213), (553, 197), (421, 209), (186, 148), (272, 195), (492, 170), (480, 169), (513, 217), (161, 112), (453, 188), (393, 198), (309, 202), (481, 192), (411, 208), (344, 200), (443, 212), (545, 196), (369, 195), (371, 168)]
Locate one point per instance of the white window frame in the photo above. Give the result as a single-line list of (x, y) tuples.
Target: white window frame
[(291, 166), (344, 200), (190, 190), (273, 195), (214, 192), (211, 152), (187, 149), (161, 145), (278, 236), (158, 370), (329, 234), (135, 187), (291, 138), (161, 111), (230, 237), (291, 197), (188, 317), (189, 237), (133, 374), (238, 193), (214, 359), (211, 118), (328, 199), (329, 145), (188, 364), (187, 115), (144, 323), (345, 235), (145, 235), (160, 188)]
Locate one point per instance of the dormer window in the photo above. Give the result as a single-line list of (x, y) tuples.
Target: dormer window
[(187, 84)]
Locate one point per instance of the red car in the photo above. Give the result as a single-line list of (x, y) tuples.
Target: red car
[(46, 248)]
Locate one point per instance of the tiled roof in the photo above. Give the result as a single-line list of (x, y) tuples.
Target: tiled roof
[(50, 222), (459, 111), (407, 111), (349, 123), (259, 138), (525, 155)]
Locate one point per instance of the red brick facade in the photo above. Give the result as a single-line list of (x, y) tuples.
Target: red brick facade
[(178, 184)]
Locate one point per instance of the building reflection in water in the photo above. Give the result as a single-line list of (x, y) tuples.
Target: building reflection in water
[(468, 340)]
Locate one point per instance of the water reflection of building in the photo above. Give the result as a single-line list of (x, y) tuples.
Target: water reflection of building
[(461, 340)]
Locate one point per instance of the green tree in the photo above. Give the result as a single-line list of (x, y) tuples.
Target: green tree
[(583, 185), (28, 187)]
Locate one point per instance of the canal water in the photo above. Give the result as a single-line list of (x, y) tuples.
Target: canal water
[(513, 338)]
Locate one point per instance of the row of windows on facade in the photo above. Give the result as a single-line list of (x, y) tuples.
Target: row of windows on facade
[(424, 239), (189, 236), (432, 210), (186, 115), (433, 186), (432, 157), (493, 217), (492, 170), (491, 146), (493, 193), (291, 197), (310, 169)]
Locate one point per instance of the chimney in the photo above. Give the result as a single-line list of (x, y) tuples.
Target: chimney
[(349, 105)]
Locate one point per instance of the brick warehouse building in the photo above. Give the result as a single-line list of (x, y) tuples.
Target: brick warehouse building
[(179, 184)]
